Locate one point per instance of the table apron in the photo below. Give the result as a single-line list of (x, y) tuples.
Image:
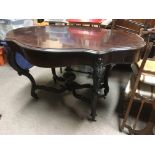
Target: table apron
[(42, 59)]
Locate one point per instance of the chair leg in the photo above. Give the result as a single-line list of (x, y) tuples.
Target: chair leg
[(126, 115), (125, 106), (141, 106), (148, 129)]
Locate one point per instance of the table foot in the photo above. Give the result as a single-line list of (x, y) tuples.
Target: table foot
[(91, 119), (33, 94)]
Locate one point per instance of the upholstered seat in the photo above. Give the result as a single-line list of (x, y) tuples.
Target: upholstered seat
[(148, 73)]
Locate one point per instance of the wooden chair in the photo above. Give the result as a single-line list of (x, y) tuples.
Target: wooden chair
[(130, 25), (139, 88)]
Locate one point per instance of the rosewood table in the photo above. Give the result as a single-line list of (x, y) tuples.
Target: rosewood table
[(57, 46)]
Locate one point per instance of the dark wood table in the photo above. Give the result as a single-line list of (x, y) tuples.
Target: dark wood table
[(56, 46)]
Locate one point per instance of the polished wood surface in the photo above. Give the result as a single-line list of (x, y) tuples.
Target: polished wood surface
[(75, 45), (73, 39)]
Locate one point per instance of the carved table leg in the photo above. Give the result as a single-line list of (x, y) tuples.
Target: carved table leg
[(106, 85), (93, 107), (33, 83), (12, 61), (98, 76)]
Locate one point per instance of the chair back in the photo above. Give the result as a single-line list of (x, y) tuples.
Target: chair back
[(131, 25), (134, 88)]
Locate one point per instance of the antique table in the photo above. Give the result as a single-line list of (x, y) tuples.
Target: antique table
[(56, 46)]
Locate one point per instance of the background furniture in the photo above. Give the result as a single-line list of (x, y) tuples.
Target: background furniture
[(9, 24), (2, 56)]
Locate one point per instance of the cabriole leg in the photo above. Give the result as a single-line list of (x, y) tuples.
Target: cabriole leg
[(98, 77), (11, 55)]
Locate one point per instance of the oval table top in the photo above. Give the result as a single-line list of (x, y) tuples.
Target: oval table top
[(74, 39)]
